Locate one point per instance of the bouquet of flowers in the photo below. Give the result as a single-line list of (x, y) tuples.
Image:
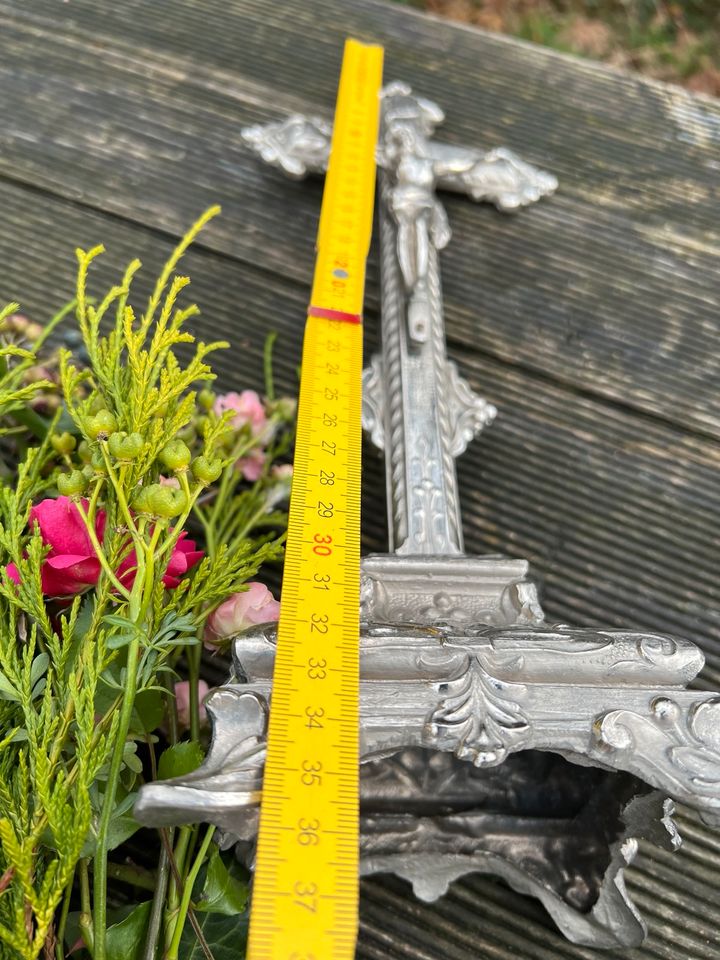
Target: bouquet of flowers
[(135, 507)]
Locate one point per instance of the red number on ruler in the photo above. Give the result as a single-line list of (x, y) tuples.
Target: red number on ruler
[(321, 548)]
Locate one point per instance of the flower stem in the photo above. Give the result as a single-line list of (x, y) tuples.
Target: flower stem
[(158, 902), (100, 553), (179, 854), (136, 876), (139, 602), (92, 507), (193, 658), (229, 474), (119, 492), (86, 919), (208, 530), (172, 952), (100, 873), (62, 921)]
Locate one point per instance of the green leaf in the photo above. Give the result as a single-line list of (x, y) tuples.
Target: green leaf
[(225, 936), (115, 641), (125, 940), (7, 690), (124, 631), (121, 829), (148, 711), (38, 668), (179, 759), (130, 758), (122, 825), (115, 620), (222, 893)]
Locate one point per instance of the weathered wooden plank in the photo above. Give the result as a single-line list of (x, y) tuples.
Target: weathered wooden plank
[(619, 515), (610, 287), (618, 512)]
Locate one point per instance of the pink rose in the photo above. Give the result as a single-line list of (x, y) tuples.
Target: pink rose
[(241, 610), (182, 702), (252, 465), (184, 557), (72, 564), (248, 408)]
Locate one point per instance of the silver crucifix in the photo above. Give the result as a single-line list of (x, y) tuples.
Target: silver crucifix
[(490, 741)]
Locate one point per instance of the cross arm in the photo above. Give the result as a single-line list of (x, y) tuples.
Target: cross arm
[(498, 176), (300, 145)]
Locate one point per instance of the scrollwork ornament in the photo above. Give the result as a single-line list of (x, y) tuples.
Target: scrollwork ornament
[(679, 744)]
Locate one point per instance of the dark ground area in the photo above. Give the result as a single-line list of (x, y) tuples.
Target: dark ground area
[(676, 42)]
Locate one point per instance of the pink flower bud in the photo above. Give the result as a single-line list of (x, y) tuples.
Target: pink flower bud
[(240, 611), (252, 465), (247, 407), (182, 701)]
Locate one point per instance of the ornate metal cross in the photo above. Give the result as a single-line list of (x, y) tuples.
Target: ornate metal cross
[(490, 742)]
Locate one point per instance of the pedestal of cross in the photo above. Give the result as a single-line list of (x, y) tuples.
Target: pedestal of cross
[(489, 741)]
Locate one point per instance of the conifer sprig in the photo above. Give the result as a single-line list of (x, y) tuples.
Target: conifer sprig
[(139, 461)]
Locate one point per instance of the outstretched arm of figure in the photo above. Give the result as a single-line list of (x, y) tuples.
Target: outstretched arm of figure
[(298, 145)]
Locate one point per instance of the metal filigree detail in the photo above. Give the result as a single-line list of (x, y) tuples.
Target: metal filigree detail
[(498, 176), (373, 401), (227, 788), (673, 744), (475, 716), (470, 413)]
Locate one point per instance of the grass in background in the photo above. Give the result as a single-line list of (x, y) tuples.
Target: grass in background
[(678, 42)]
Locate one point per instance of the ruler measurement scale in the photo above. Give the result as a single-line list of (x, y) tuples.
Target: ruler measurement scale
[(304, 904)]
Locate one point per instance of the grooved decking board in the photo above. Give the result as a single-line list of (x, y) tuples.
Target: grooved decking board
[(619, 516), (591, 320), (611, 287)]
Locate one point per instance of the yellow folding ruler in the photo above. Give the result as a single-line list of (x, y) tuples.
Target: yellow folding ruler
[(304, 903)]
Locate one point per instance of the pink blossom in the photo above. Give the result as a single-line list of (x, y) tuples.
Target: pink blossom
[(240, 611), (72, 564), (169, 482), (248, 409), (283, 471), (182, 702), (252, 465)]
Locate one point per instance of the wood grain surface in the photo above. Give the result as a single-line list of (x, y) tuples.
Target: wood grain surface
[(590, 320)]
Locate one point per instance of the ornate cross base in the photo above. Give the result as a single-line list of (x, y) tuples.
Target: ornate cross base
[(499, 746)]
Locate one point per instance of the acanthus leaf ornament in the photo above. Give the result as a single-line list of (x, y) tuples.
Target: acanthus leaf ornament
[(474, 719)]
